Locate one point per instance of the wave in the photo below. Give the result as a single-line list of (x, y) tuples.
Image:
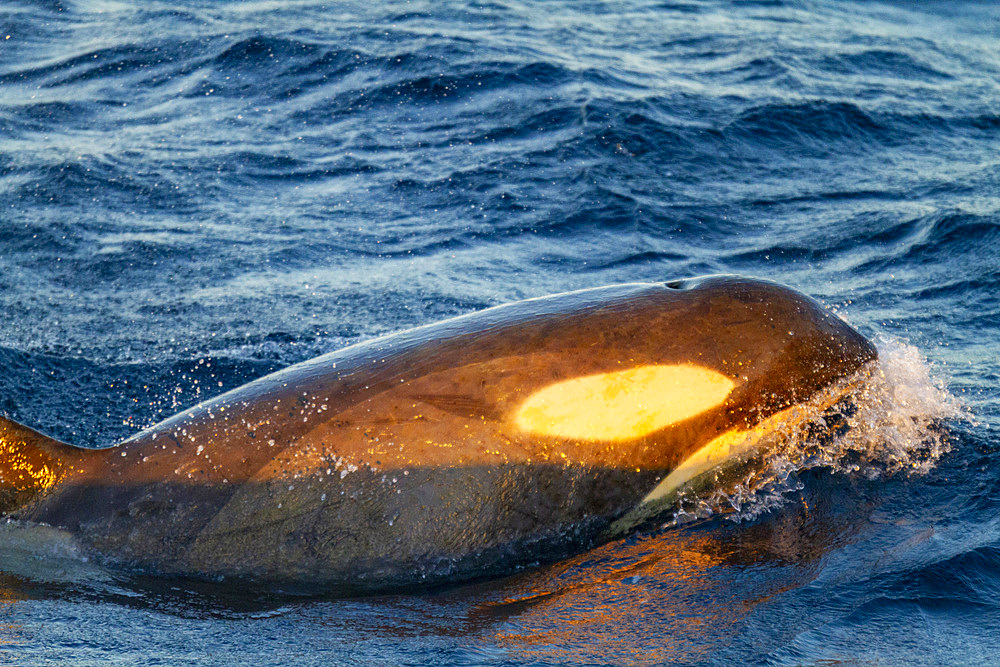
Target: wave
[(880, 63), (819, 127), (930, 238)]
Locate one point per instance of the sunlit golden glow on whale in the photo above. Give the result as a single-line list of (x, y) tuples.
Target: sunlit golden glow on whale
[(623, 405), (456, 450)]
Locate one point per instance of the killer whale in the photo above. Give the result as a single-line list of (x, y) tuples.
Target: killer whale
[(448, 452)]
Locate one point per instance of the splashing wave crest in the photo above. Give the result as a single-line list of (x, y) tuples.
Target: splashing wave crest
[(887, 419)]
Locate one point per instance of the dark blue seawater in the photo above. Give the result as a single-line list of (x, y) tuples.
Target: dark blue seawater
[(194, 193)]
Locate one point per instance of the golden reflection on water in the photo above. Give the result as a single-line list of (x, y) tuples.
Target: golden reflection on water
[(695, 585), (10, 595), (609, 613)]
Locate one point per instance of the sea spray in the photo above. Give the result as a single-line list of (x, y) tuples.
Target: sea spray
[(889, 418)]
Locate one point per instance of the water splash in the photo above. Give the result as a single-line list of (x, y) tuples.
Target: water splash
[(41, 553), (887, 419)]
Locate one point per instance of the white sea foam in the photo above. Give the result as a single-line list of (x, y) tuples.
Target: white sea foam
[(892, 420)]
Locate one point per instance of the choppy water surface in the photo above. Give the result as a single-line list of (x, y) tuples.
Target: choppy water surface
[(195, 193)]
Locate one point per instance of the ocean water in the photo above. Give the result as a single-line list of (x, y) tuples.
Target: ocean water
[(194, 193)]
